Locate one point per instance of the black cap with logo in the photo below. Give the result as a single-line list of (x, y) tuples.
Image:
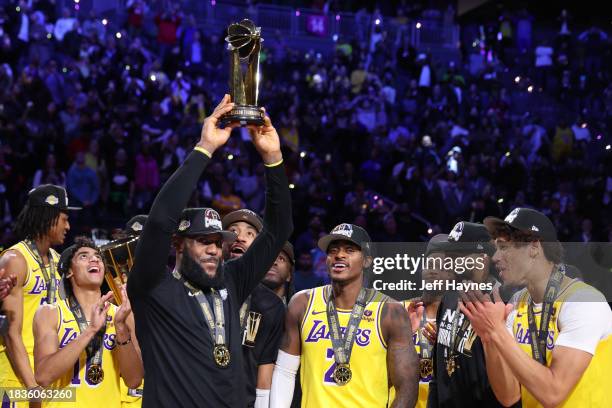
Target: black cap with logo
[(50, 195), (469, 238), (526, 220), (346, 232), (135, 225), (202, 221), (243, 215)]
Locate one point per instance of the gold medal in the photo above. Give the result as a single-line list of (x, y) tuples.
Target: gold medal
[(426, 368), (95, 374), (221, 355), (451, 365), (342, 374)]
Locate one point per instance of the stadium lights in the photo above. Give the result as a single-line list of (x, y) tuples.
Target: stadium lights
[(76, 1), (608, 147), (377, 21), (337, 17), (18, 9), (429, 231), (291, 186), (517, 79), (598, 137), (530, 88), (297, 13), (501, 200), (584, 125), (507, 154), (104, 21), (153, 77), (49, 36), (118, 35), (302, 154), (127, 67), (230, 157), (418, 25), (335, 37)]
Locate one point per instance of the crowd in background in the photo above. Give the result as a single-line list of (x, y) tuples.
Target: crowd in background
[(379, 134)]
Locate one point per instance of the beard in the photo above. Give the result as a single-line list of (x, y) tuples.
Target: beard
[(197, 276), (272, 284)]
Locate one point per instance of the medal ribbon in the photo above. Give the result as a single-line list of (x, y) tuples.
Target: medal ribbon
[(343, 345), (49, 280), (537, 339), (94, 348)]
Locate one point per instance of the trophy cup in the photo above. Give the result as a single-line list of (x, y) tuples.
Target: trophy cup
[(244, 43), (118, 257)]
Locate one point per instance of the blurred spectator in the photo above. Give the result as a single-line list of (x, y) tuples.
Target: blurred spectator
[(50, 174), (82, 183)]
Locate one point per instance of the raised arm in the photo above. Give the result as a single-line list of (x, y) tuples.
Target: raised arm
[(12, 306), (402, 359), (288, 360), (154, 242), (50, 361), (249, 269)]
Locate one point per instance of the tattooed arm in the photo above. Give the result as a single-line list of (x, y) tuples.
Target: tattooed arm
[(402, 360)]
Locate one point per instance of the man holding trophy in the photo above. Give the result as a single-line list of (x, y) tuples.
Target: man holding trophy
[(188, 321)]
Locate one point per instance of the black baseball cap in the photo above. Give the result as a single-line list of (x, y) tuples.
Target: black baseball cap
[(346, 232), (135, 225), (436, 244), (50, 195), (202, 221), (244, 215), (526, 220), (469, 237)]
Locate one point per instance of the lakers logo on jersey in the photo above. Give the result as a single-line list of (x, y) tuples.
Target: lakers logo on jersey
[(367, 387)]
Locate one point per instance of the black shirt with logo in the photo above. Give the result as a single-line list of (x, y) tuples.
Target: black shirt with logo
[(271, 311), (468, 385), (171, 329)]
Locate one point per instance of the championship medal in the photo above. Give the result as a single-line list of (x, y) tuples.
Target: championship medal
[(95, 374), (221, 355), (451, 365), (342, 374), (425, 367)]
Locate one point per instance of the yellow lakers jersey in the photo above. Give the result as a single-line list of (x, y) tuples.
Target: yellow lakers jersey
[(423, 380), (107, 394), (369, 385), (592, 389), (34, 294)]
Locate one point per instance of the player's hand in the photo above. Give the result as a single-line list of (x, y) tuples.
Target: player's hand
[(212, 136), (415, 311), (99, 312), (484, 315), (430, 331), (124, 310), (266, 141)]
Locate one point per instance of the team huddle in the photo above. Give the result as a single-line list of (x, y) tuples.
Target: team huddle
[(222, 328)]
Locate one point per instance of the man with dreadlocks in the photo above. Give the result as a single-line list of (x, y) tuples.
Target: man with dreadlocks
[(42, 224)]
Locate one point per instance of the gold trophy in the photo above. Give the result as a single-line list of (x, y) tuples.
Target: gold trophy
[(244, 44), (118, 256)]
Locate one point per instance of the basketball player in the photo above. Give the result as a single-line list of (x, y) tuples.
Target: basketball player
[(352, 371), (460, 378), (192, 353), (262, 315), (555, 347), (41, 224), (83, 341), (422, 312)]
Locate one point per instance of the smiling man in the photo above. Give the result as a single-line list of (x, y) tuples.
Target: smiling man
[(351, 342), (262, 315), (84, 342), (555, 347), (42, 224)]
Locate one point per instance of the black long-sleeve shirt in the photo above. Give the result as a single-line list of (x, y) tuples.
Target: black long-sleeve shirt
[(173, 335)]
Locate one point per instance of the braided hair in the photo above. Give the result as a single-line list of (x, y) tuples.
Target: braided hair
[(34, 222)]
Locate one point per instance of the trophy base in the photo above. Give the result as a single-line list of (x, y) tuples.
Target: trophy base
[(245, 115)]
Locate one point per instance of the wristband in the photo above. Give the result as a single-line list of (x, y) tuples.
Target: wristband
[(203, 150), (123, 343), (274, 164)]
